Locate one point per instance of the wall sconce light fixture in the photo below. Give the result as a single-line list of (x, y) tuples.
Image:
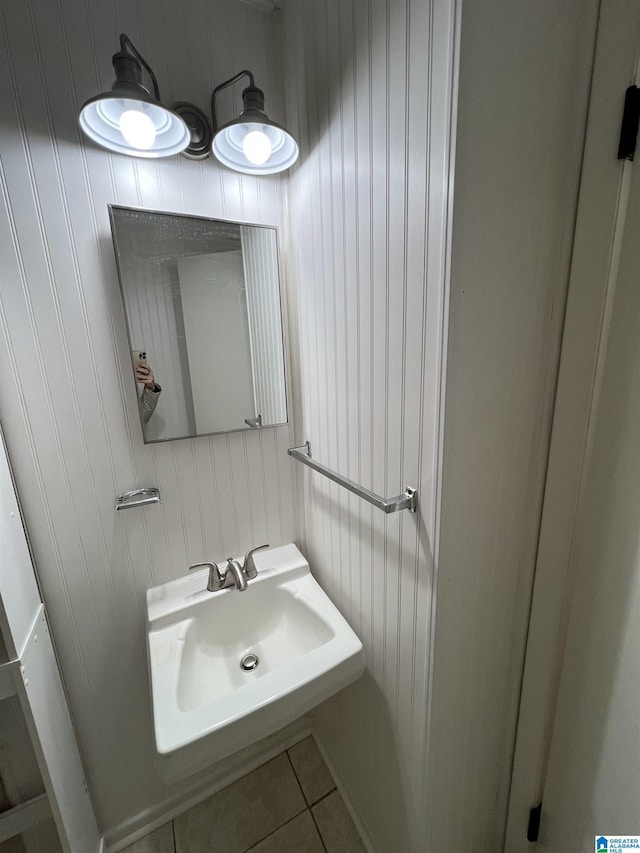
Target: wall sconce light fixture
[(252, 143), (128, 119)]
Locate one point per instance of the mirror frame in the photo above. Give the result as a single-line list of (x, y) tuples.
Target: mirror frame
[(281, 302)]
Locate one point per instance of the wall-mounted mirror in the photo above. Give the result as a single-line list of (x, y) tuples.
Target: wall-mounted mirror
[(203, 310)]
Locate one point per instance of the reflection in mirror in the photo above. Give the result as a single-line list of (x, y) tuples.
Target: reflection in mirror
[(202, 304)]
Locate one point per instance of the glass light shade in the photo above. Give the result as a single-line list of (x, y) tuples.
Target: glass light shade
[(229, 142), (100, 118)]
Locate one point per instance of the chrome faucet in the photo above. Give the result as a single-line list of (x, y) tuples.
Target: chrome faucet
[(233, 575), (242, 574), (223, 579)]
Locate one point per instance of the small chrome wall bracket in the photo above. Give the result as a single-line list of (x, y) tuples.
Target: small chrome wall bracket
[(137, 497)]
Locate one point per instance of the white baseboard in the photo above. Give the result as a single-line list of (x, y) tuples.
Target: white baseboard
[(222, 774), (355, 817)]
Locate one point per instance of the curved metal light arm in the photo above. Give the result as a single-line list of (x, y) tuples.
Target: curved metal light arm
[(126, 45), (224, 85)]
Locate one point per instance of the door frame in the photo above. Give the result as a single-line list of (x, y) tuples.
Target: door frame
[(602, 206)]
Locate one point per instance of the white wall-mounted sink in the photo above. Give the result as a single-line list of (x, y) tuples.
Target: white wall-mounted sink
[(205, 705)]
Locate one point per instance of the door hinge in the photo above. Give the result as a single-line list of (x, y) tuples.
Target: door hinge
[(629, 128), (534, 823)]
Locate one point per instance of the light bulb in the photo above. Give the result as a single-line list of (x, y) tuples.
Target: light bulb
[(138, 129), (257, 147)]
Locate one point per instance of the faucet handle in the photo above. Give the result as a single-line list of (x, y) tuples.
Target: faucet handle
[(249, 566), (215, 580)]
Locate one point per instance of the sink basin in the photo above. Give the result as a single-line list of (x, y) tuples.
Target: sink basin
[(229, 668)]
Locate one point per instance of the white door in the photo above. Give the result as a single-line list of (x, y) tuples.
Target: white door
[(578, 741), (593, 779)]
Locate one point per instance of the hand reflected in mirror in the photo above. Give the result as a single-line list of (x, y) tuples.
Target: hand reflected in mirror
[(150, 391)]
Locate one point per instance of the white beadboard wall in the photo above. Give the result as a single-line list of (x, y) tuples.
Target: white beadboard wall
[(154, 327), (67, 404), (260, 261), (370, 85)]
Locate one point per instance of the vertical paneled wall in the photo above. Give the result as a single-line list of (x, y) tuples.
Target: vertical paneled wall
[(260, 261), (67, 403), (370, 84), (156, 327)]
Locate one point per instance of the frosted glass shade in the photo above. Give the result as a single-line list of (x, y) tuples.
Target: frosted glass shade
[(100, 120), (229, 149)]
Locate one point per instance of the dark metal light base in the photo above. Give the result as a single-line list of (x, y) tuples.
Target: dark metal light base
[(200, 146)]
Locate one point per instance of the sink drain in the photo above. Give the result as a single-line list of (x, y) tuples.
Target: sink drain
[(249, 662)]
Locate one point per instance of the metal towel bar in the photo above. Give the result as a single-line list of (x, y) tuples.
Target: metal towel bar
[(408, 500)]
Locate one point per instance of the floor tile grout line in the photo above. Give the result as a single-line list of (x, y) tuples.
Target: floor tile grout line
[(309, 808), (278, 828), (302, 791), (323, 797), (318, 830)]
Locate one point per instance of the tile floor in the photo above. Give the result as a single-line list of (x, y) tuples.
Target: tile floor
[(288, 805)]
